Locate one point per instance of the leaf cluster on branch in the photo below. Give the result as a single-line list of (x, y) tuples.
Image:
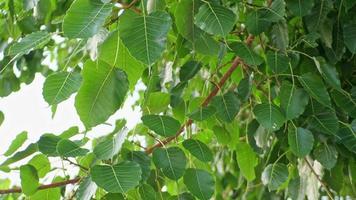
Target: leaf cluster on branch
[(240, 100)]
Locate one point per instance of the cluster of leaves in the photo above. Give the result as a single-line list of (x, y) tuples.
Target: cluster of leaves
[(282, 124)]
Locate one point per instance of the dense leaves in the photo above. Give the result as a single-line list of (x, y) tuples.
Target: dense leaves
[(234, 99)]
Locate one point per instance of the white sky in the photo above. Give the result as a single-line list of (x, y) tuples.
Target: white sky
[(26, 110)]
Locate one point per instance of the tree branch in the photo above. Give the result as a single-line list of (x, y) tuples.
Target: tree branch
[(207, 100), (43, 187)]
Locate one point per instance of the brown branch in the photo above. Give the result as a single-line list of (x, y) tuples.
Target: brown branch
[(207, 100), (43, 187)]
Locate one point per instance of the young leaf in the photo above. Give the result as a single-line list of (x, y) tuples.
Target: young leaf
[(84, 18), (41, 163), (246, 54), (117, 178), (326, 154), (293, 100), (16, 143), (171, 161), (215, 19), (316, 88), (269, 116), (247, 160), (145, 36), (102, 92), (162, 125), (188, 70), (198, 150), (30, 149), (300, 140), (274, 175), (110, 146), (29, 179), (227, 106), (86, 189), (67, 148), (30, 42), (200, 183), (156, 102), (59, 86)]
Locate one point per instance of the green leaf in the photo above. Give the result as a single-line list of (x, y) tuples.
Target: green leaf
[(316, 88), (2, 117), (47, 144), (198, 149), (269, 116), (156, 102), (118, 178), (143, 160), (41, 163), (147, 192), (350, 37), (280, 37), (113, 196), (116, 54), (47, 194), (300, 140), (222, 135), (293, 100), (171, 161), (323, 119), (277, 62), (202, 113), (326, 154), (227, 106), (319, 12), (300, 8), (67, 148), (30, 149), (162, 125), (110, 146), (200, 183), (246, 54), (274, 175), (102, 92), (86, 189), (247, 160), (215, 19), (275, 12), (30, 42), (59, 86), (347, 135), (328, 72), (70, 132), (188, 70), (84, 18), (244, 88), (16, 143), (256, 23), (345, 101), (145, 36), (29, 179), (200, 41)]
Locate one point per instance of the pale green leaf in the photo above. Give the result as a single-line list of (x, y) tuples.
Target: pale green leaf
[(67, 148), (16, 143), (110, 146), (200, 183), (29, 179), (41, 163), (247, 160), (162, 125), (227, 106), (198, 149), (86, 189), (171, 161), (29, 150), (2, 117), (156, 102), (30, 42), (202, 113)]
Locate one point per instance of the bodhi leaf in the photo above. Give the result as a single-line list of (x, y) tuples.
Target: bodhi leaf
[(202, 113), (171, 161), (86, 189), (300, 8), (256, 23), (247, 160), (275, 12), (345, 101), (29, 150), (215, 19), (147, 192), (326, 154), (316, 88), (156, 102), (293, 100), (2, 117), (110, 146), (30, 42), (16, 143), (47, 144), (347, 135), (143, 160), (84, 18), (246, 54), (102, 92), (41, 163), (274, 175), (269, 116), (200, 183), (188, 70), (227, 106), (244, 88), (117, 178), (59, 86), (162, 125), (300, 140), (67, 148), (116, 54), (323, 119), (145, 36), (328, 72), (277, 62), (198, 149), (29, 179), (349, 37)]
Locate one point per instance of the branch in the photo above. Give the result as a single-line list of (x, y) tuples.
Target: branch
[(43, 187), (207, 100)]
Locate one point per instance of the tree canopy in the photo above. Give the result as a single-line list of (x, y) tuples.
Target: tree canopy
[(242, 99)]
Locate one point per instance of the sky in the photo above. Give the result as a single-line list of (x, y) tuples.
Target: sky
[(26, 110)]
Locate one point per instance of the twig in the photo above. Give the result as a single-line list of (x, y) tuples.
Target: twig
[(76, 164)]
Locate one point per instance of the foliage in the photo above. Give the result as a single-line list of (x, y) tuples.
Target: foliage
[(241, 100)]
